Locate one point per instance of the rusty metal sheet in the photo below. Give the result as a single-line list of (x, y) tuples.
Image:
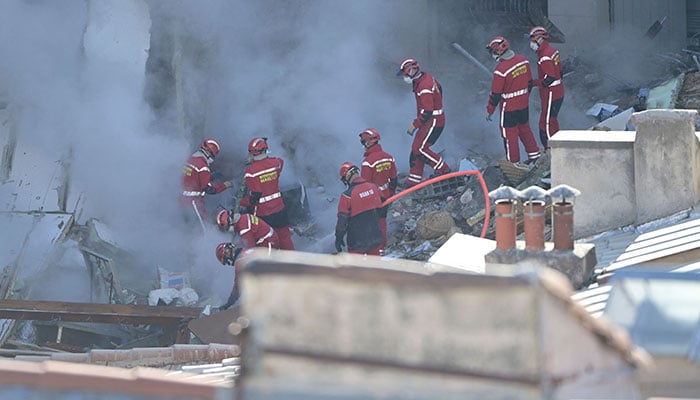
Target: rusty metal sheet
[(214, 328)]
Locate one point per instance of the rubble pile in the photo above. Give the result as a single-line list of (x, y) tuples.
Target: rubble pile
[(422, 221)]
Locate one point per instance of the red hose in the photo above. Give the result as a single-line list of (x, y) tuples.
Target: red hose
[(442, 178)]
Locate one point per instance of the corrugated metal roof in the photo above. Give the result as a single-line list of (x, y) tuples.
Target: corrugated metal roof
[(657, 239), (626, 248)]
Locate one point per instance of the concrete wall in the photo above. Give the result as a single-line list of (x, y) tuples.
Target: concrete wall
[(630, 178), (601, 165), (589, 21), (666, 163), (324, 326), (582, 21)]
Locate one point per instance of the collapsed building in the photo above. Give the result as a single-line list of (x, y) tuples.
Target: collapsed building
[(437, 223)]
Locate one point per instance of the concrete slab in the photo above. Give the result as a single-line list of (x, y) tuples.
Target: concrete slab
[(464, 252)]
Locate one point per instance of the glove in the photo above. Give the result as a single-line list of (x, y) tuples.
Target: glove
[(411, 129), (339, 243), (228, 184), (488, 117)]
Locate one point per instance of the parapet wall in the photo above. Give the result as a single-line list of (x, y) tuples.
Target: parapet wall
[(630, 178)]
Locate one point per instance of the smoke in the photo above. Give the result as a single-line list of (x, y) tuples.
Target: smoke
[(130, 88)]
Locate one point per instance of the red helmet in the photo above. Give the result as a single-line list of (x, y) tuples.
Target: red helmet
[(223, 219), (257, 146), (538, 32), (225, 253), (498, 45), (347, 171), (406, 66), (369, 137), (226, 218), (210, 147)]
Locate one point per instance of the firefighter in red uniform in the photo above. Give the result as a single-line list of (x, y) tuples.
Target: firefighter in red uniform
[(358, 214), (511, 88), (379, 168), (254, 232), (428, 124), (197, 182), (264, 198), (227, 253), (549, 82)]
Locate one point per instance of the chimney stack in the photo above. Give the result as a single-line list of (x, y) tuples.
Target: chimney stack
[(505, 198), (534, 201), (563, 216)]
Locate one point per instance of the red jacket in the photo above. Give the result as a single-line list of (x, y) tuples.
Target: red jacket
[(549, 71), (358, 216), (255, 232), (428, 94), (262, 179), (379, 168), (196, 177), (510, 85)]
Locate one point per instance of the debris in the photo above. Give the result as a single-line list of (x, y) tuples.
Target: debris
[(513, 173), (162, 296), (185, 297), (466, 165), (655, 28), (174, 280), (434, 224), (603, 111)]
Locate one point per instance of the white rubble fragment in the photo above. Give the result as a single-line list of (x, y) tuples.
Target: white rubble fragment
[(188, 297), (166, 295)]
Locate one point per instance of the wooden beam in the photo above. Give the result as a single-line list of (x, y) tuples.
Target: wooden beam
[(101, 313)]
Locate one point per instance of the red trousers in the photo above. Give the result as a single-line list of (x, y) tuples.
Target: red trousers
[(285, 238), (515, 127), (421, 153), (549, 116)]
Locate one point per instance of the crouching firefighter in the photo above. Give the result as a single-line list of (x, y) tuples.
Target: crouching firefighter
[(253, 231), (227, 253)]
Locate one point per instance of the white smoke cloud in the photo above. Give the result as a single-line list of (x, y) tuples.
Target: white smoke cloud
[(308, 74)]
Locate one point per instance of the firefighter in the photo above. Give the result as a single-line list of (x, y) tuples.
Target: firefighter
[(254, 232), (197, 181), (264, 198), (359, 211), (511, 88), (227, 253), (428, 124), (549, 82), (378, 167)]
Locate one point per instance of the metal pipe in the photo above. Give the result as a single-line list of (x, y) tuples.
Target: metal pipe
[(471, 58)]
